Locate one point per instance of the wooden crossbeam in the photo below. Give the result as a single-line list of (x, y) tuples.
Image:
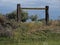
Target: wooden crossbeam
[(46, 12), (34, 8)]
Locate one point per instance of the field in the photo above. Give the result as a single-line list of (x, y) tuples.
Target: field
[(33, 33)]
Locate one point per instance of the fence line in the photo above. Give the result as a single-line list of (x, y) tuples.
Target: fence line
[(46, 12)]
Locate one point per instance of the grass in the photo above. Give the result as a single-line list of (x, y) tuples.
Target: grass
[(32, 34)]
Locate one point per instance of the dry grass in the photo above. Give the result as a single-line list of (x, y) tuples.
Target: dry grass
[(33, 33), (33, 26)]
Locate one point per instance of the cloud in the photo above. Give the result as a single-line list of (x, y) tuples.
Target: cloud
[(51, 3), (32, 2), (11, 4)]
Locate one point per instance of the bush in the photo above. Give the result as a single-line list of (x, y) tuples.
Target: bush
[(24, 16), (2, 19), (33, 17), (13, 15), (5, 32)]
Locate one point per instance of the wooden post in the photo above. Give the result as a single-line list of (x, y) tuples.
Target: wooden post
[(47, 14), (18, 13)]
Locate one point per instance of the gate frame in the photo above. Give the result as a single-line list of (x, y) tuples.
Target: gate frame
[(19, 11)]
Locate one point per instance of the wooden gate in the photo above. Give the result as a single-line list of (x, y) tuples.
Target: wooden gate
[(46, 12)]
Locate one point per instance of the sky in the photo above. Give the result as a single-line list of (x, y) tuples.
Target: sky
[(7, 6)]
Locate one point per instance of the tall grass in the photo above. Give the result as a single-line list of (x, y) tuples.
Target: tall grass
[(32, 34)]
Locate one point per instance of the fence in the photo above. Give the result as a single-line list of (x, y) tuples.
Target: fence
[(46, 12)]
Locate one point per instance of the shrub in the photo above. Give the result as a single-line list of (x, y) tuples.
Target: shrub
[(5, 32), (2, 19), (33, 17), (13, 15)]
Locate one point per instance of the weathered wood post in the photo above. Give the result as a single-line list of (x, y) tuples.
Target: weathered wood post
[(47, 14), (18, 13)]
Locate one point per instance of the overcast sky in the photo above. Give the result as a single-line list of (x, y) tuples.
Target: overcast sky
[(10, 5)]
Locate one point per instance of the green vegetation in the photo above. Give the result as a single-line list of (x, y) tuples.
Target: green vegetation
[(24, 16), (13, 15), (33, 17), (28, 33)]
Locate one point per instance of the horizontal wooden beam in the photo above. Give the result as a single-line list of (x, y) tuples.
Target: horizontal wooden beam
[(34, 8)]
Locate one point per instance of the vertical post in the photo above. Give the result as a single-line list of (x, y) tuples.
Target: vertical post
[(47, 14), (18, 13)]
